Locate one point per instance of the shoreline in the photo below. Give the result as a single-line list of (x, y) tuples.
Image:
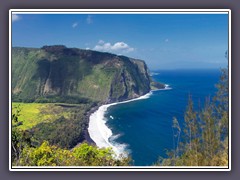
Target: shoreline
[(87, 137), (98, 133)]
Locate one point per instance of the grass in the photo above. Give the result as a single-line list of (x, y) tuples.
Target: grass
[(96, 85), (60, 124), (32, 114)]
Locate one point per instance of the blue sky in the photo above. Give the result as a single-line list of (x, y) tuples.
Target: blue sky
[(164, 41)]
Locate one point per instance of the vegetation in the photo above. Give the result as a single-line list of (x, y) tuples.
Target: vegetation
[(25, 153), (83, 155), (157, 85), (205, 132), (63, 125), (69, 75), (35, 113)]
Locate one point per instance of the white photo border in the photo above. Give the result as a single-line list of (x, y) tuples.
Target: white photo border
[(120, 11)]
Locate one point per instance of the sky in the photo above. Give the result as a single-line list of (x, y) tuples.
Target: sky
[(163, 41)]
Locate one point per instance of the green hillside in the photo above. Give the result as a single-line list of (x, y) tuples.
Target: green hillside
[(70, 75)]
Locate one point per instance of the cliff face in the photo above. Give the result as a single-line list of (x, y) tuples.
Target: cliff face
[(60, 74)]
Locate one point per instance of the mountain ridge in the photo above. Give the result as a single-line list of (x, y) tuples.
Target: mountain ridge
[(60, 74)]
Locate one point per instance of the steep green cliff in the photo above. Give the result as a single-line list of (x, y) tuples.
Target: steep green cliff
[(71, 75)]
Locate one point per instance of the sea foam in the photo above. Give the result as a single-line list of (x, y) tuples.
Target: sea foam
[(100, 132)]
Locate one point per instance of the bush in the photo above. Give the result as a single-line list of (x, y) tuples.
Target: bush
[(83, 155)]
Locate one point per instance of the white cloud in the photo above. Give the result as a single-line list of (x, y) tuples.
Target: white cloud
[(100, 42), (89, 19), (74, 25), (119, 47), (15, 17), (122, 46)]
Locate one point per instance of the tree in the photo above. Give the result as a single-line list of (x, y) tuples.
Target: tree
[(83, 155), (20, 139), (210, 131), (176, 135), (93, 156), (191, 131), (221, 102)]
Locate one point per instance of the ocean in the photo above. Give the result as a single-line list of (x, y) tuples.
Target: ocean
[(142, 128)]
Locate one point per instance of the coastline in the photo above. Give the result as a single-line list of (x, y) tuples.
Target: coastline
[(98, 133), (87, 137)]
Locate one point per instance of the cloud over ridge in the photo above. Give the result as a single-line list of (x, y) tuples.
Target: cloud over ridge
[(120, 47)]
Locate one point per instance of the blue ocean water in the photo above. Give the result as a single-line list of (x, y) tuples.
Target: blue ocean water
[(145, 126)]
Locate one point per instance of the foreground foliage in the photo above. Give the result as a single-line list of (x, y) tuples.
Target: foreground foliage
[(27, 150), (83, 155), (205, 132), (60, 124)]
